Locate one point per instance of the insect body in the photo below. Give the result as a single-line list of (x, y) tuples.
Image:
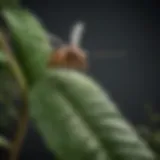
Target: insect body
[(69, 56)]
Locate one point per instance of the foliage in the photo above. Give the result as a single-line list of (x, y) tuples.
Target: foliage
[(9, 94), (31, 41), (151, 130), (8, 3), (73, 114), (12, 116)]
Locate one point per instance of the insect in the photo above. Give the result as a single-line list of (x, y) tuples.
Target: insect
[(70, 55)]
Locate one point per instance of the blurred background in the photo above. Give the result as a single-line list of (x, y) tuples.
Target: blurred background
[(112, 27)]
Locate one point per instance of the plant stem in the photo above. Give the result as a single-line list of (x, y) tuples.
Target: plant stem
[(23, 117)]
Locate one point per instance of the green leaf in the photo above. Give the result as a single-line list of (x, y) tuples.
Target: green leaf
[(30, 42), (144, 131), (3, 59), (63, 130), (8, 3), (9, 108), (3, 142), (155, 118), (72, 112)]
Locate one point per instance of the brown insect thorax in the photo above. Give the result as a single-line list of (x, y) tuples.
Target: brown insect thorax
[(68, 57)]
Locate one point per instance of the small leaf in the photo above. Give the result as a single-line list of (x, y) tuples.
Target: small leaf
[(30, 42), (3, 60), (4, 143), (155, 118), (8, 3)]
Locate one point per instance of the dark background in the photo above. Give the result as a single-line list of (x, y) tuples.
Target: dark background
[(132, 26)]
